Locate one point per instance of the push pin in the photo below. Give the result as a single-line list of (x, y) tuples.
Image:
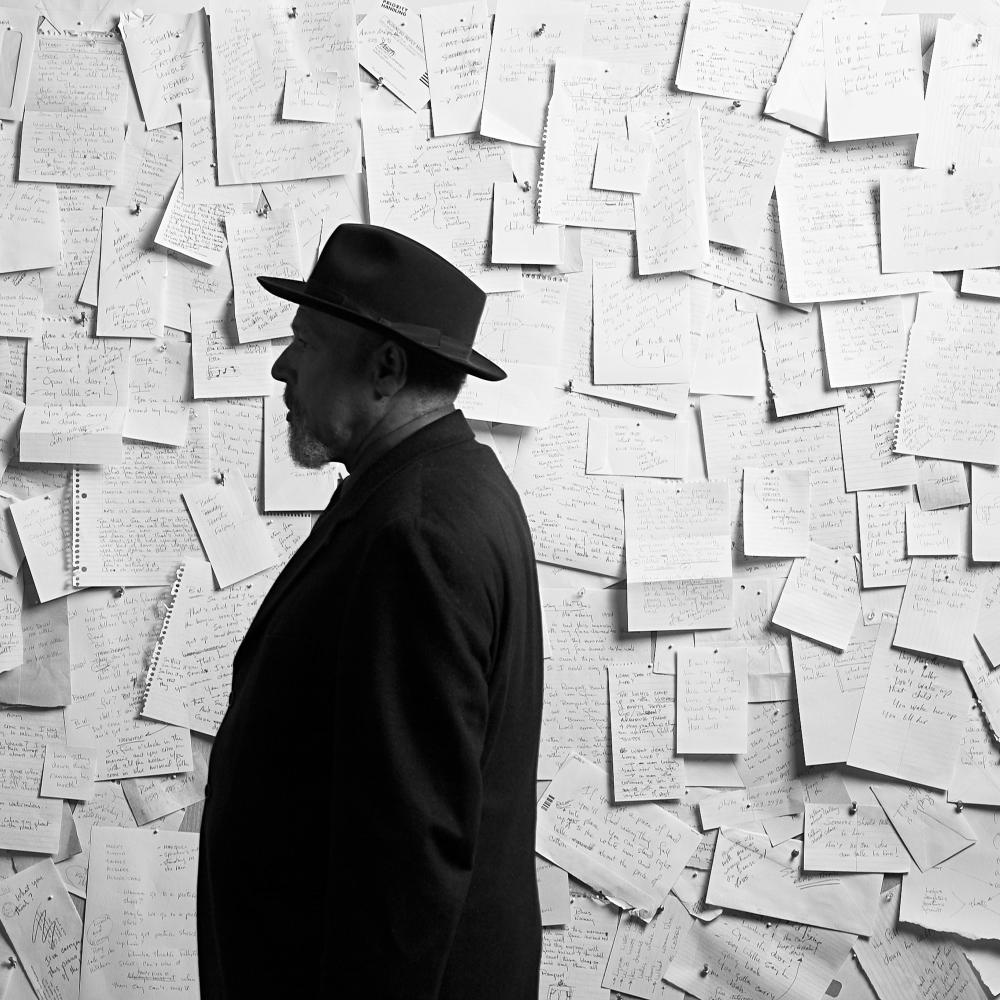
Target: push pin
[(163, 346), (136, 208), (119, 592), (951, 169), (959, 806), (704, 970), (569, 386), (11, 962), (795, 852), (81, 318), (294, 12), (737, 104), (525, 185), (380, 83), (869, 392), (853, 808), (221, 479), (540, 30), (263, 210), (978, 40), (769, 924)]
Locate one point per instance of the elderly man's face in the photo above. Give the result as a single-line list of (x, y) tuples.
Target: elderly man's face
[(327, 389)]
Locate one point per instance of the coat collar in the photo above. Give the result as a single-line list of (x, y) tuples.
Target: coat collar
[(353, 494)]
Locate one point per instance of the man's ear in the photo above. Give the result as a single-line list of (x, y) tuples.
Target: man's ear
[(389, 368)]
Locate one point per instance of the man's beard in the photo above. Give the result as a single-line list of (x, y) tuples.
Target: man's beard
[(306, 449)]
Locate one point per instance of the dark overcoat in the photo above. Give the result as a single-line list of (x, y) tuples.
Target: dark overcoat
[(370, 819)]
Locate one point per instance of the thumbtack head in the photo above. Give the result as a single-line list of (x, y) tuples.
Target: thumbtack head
[(294, 12), (979, 39), (11, 962), (525, 185), (221, 479), (704, 970), (136, 208), (119, 592), (959, 806), (81, 318), (379, 83), (795, 852), (869, 392), (853, 808), (737, 104), (951, 168), (540, 30)]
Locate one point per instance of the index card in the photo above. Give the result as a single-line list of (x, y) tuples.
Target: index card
[(254, 143), (851, 838), (678, 555), (671, 217), (642, 711), (637, 448), (882, 518), (75, 435), (828, 206), (457, 48), (733, 50), (234, 535), (747, 955), (132, 277), (955, 896), (17, 50), (829, 686), (391, 48), (874, 76), (45, 929), (911, 717), (137, 878), (964, 76), (796, 365), (641, 951), (527, 38), (933, 532), (587, 634), (776, 512), (933, 220), (44, 525), (727, 355), (631, 854), (221, 366), (712, 690), (749, 874), (622, 165), (900, 960), (941, 484), (68, 772), (168, 56), (864, 340), (867, 433), (820, 599), (985, 514), (311, 96), (927, 824), (159, 390), (642, 326), (741, 156), (574, 957), (269, 245), (516, 237), (940, 607)]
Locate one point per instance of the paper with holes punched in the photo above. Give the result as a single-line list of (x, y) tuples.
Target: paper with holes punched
[(820, 599), (633, 855), (851, 838), (928, 825), (776, 512), (874, 76), (829, 686), (642, 710), (642, 326), (678, 555), (749, 874), (912, 715), (712, 690), (235, 537)]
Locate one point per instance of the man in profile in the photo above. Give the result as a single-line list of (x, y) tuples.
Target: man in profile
[(370, 814)]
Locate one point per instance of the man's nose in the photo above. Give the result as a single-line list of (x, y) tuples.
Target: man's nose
[(279, 370)]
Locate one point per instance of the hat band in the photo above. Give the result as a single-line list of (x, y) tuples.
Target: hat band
[(424, 336)]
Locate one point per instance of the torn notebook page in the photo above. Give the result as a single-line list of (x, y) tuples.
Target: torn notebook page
[(829, 686), (874, 76), (631, 854), (712, 690), (642, 713), (912, 715), (678, 555)]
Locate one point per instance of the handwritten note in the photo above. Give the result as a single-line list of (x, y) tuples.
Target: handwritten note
[(638, 447), (633, 854), (985, 514), (43, 925), (457, 49), (68, 772), (44, 531), (864, 341), (222, 367), (27, 822), (882, 518), (867, 435), (642, 714), (728, 359), (516, 237), (776, 512), (933, 532), (311, 97), (139, 878), (851, 838), (712, 700), (912, 715)]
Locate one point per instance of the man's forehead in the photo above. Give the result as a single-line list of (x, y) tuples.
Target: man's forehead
[(309, 320)]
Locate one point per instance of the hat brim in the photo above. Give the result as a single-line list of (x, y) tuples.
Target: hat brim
[(295, 291)]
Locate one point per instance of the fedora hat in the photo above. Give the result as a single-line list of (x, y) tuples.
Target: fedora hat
[(384, 280)]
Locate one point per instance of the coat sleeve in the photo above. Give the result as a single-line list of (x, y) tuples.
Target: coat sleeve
[(413, 693)]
